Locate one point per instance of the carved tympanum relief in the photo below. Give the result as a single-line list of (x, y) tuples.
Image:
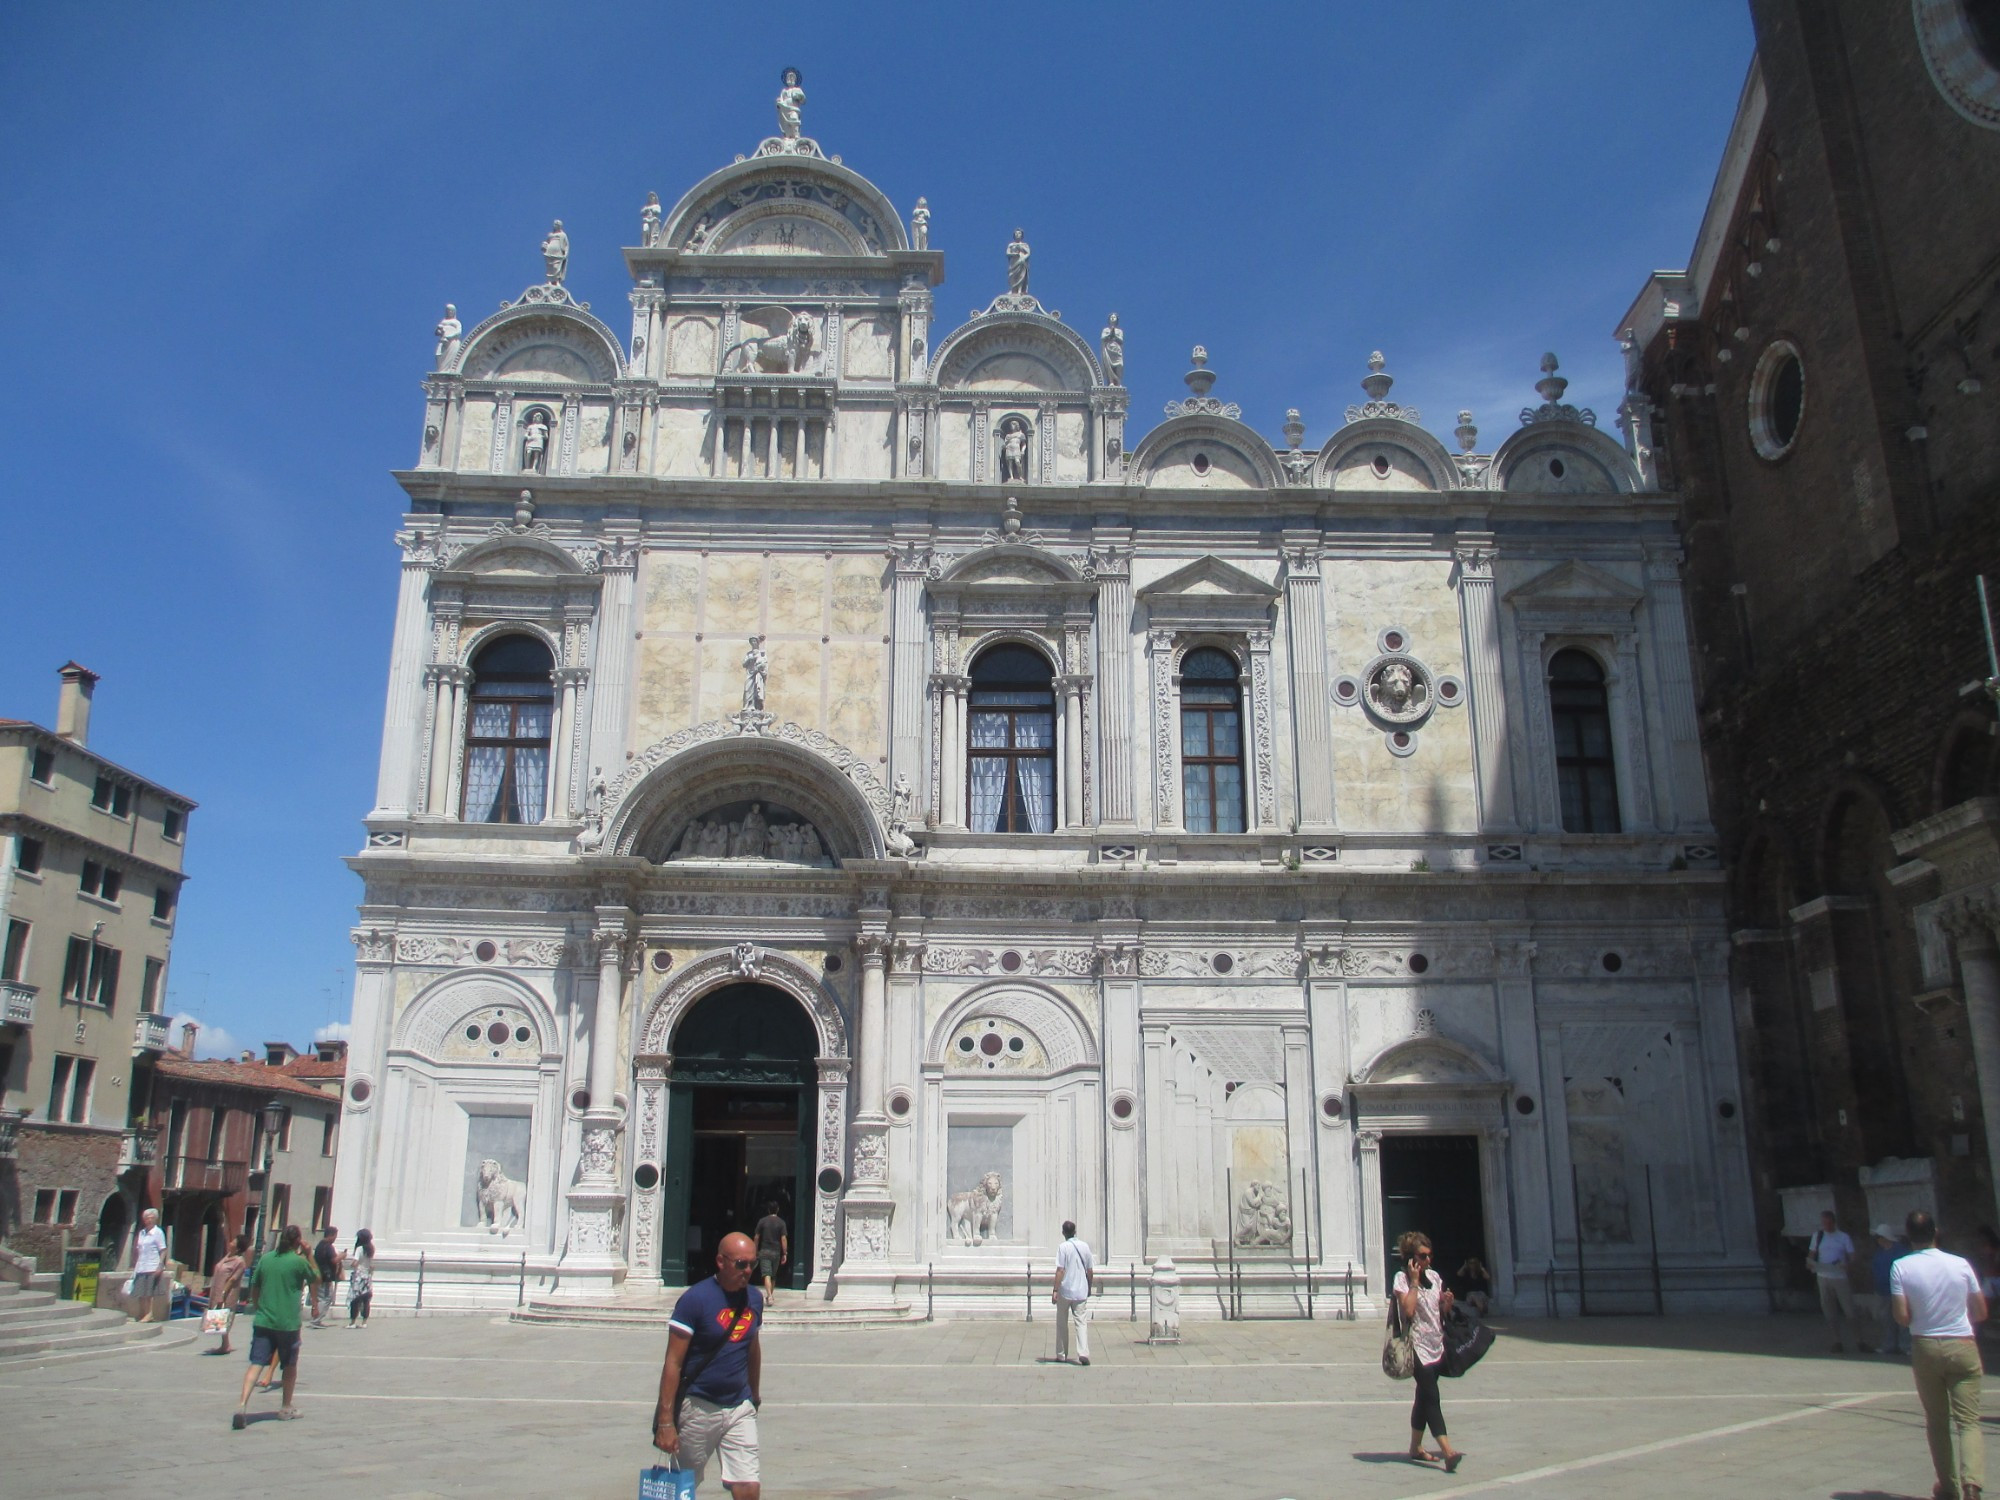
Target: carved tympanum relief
[(758, 830)]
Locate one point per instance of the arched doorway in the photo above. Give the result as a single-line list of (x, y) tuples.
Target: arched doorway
[(112, 1221), (740, 1117)]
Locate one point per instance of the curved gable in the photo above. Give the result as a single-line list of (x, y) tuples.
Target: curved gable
[(1564, 458), (542, 345), (784, 205), (1205, 453), (1015, 351), (1384, 454)]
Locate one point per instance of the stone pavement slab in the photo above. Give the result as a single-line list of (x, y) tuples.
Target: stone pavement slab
[(465, 1406)]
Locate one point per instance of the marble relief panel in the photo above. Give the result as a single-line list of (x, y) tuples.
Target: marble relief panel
[(691, 346), (665, 694), (870, 352), (718, 680), (798, 589), (1070, 431), (860, 586), (593, 443), (475, 438), (672, 591), (954, 445), (794, 687), (680, 441), (734, 601)]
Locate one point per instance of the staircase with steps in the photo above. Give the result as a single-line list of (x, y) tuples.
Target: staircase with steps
[(38, 1325), (651, 1306)]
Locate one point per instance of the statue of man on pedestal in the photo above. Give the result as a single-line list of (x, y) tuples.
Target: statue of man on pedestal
[(1017, 265), (791, 101), (1111, 344), (449, 331), (555, 253), (649, 220)]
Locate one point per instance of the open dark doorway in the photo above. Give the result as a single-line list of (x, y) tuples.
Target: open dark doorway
[(739, 1129), (1431, 1183)]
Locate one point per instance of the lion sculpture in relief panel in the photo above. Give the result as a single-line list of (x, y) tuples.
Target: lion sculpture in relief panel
[(974, 1215), (500, 1194)]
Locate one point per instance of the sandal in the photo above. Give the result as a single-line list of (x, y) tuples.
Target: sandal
[(1451, 1464)]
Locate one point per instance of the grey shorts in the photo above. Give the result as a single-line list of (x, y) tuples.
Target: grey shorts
[(708, 1430)]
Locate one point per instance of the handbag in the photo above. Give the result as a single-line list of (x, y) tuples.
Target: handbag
[(1466, 1340), (215, 1320), (666, 1482), (1399, 1355)]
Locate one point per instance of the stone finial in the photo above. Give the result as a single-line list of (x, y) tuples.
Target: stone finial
[(1375, 382), (1010, 519), (524, 510), (1295, 428), (1465, 432), (1551, 386), (1200, 379)]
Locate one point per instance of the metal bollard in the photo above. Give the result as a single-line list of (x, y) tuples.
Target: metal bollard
[(930, 1290), (420, 1281), (1132, 1285), (521, 1292), (1030, 1286)]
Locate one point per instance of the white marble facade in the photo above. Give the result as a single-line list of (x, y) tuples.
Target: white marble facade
[(1197, 1037)]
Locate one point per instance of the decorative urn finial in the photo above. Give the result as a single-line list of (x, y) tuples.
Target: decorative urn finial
[(1200, 379), (1551, 385), (1465, 432), (524, 510), (1375, 383), (1295, 428)]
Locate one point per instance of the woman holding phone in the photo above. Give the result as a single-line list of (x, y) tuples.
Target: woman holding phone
[(1421, 1293)]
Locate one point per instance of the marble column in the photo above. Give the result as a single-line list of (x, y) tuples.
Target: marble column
[(1312, 708), (953, 690), (1072, 748), (596, 1198), (1686, 786), (906, 707), (615, 646), (1479, 624), (395, 789), (1156, 1131), (449, 684), (1114, 682), (869, 1207), (355, 1190), (569, 690)]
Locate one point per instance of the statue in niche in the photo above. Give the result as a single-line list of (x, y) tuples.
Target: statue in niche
[(791, 103), (748, 840), (449, 332), (649, 220), (1111, 344), (1262, 1217), (500, 1195), (1017, 265), (1014, 450), (535, 442), (555, 253), (756, 670), (920, 225), (974, 1215)]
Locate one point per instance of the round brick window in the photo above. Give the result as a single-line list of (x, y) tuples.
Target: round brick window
[(1777, 400)]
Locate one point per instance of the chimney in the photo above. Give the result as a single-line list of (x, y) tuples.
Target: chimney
[(73, 704), (188, 1032)]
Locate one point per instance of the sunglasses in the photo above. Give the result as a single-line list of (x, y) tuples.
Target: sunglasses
[(744, 1265)]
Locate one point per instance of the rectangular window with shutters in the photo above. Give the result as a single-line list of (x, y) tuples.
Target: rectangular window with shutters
[(76, 969), (102, 988), (69, 1089), (14, 960), (163, 903), (149, 987), (327, 1127), (28, 855), (45, 1205), (281, 1205), (322, 1207), (100, 880), (285, 1132), (171, 823), (114, 797), (42, 767), (66, 1206)]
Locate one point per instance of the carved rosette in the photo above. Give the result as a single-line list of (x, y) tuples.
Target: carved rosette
[(598, 1159)]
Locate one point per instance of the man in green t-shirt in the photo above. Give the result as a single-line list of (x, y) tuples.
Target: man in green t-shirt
[(275, 1286)]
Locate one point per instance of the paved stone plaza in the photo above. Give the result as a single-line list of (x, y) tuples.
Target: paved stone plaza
[(466, 1406)]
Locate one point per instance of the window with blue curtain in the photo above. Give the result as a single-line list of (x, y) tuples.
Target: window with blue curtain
[(507, 736), (1211, 743), (1586, 774), (1011, 747)]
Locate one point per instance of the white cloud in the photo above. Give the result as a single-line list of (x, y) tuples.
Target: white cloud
[(210, 1041), (333, 1031)]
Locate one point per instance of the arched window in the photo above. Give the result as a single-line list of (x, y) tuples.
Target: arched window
[(1211, 744), (1585, 773), (1011, 757), (507, 739)]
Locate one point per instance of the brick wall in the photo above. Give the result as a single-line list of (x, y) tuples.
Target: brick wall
[(58, 1158)]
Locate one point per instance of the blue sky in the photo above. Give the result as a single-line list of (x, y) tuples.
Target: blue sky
[(229, 229)]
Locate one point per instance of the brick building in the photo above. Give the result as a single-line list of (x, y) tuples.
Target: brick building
[(1821, 386), (208, 1118), (90, 878)]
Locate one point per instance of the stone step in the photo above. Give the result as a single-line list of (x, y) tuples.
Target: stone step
[(635, 1313), (18, 1345), (38, 1307)]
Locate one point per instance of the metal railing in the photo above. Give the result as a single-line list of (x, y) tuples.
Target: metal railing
[(197, 1174)]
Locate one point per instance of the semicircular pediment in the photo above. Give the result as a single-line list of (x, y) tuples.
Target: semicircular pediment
[(1429, 1060), (1384, 454), (544, 347), (1015, 352), (744, 208), (1205, 453)]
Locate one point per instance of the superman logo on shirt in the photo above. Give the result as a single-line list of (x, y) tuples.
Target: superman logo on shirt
[(734, 1324)]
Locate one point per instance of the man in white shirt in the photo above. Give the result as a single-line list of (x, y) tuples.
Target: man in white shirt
[(1936, 1296), (1831, 1257), (1076, 1278), (149, 1260)]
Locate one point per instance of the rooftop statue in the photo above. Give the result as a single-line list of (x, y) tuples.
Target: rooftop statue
[(649, 220), (449, 331), (920, 225), (555, 253), (1017, 265), (1111, 344), (791, 102)]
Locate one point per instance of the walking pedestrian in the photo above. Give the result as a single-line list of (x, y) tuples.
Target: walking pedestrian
[(709, 1382), (149, 1261), (326, 1274), (1830, 1257), (1895, 1341), (1425, 1300), (1937, 1297), (1076, 1279), (774, 1249), (225, 1287), (280, 1276), (361, 1280)]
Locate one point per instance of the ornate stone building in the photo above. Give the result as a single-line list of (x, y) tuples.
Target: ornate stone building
[(829, 760)]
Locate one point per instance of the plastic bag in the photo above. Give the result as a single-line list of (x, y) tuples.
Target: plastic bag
[(666, 1483)]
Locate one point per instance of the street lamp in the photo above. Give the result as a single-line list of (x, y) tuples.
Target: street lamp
[(273, 1114)]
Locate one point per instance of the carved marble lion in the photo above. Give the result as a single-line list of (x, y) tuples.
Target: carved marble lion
[(975, 1212), (498, 1194)]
